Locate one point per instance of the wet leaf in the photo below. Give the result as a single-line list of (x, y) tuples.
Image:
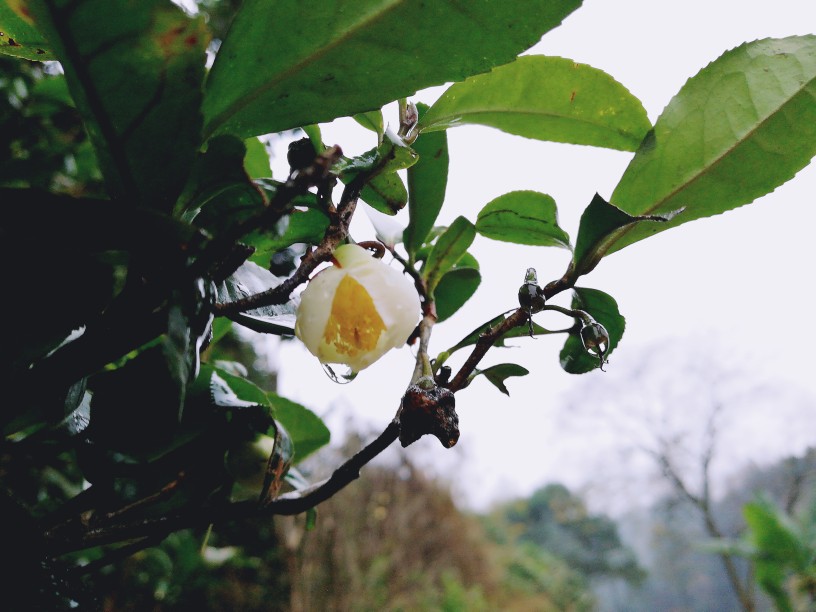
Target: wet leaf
[(249, 279)]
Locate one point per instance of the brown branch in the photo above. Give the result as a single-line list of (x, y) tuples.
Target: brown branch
[(335, 234), (485, 342)]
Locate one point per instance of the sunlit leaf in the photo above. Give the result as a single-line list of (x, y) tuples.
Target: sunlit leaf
[(547, 98)]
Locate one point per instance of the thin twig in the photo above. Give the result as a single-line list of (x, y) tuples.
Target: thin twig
[(335, 234)]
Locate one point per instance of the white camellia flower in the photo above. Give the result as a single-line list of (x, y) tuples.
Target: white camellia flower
[(356, 310)]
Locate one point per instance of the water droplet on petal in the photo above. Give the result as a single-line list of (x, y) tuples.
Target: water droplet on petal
[(344, 377)]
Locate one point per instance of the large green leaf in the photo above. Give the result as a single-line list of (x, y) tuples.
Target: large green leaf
[(447, 251), (135, 71), (454, 289), (281, 66), (574, 358), (741, 127), (19, 37), (547, 98), (598, 230), (427, 181), (523, 217)]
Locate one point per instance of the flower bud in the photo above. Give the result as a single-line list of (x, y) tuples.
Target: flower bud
[(596, 340), (357, 310)]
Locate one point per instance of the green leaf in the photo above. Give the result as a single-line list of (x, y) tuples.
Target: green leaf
[(19, 37), (427, 181), (774, 535), (741, 127), (372, 120), (249, 279), (546, 98), (473, 337), (219, 194), (384, 191), (256, 161), (523, 217), (574, 357), (135, 72), (353, 56), (189, 324), (454, 289), (307, 226), (306, 429), (449, 248), (497, 374), (600, 224)]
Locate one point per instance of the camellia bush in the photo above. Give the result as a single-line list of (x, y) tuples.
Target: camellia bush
[(118, 294)]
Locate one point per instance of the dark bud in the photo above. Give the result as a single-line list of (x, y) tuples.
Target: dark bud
[(428, 409), (596, 340), (530, 295), (443, 376), (301, 154)]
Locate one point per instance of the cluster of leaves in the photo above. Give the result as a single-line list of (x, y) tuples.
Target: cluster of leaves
[(105, 357)]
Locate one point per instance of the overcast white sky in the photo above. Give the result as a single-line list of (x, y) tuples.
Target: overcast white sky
[(741, 282)]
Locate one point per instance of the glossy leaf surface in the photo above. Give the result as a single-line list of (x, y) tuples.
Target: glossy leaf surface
[(522, 217), (741, 127), (344, 58), (546, 98), (250, 279)]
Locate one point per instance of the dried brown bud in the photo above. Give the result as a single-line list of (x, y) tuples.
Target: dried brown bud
[(428, 409)]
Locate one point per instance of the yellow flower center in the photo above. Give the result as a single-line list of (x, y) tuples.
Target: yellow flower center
[(354, 325)]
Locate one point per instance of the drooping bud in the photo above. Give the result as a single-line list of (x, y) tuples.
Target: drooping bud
[(355, 311), (596, 340)]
